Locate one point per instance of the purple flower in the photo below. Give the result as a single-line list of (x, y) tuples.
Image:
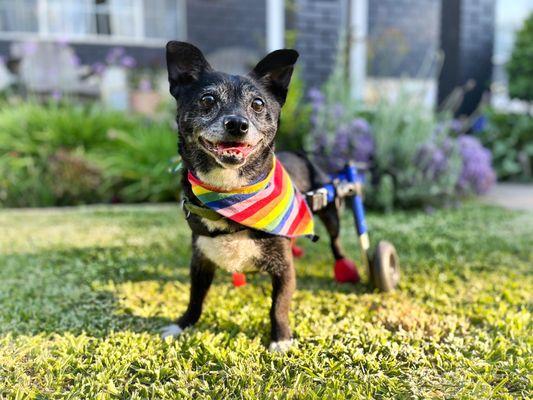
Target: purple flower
[(114, 55), (128, 62), (56, 95), (98, 68), (477, 175), (433, 158), (29, 48), (352, 142), (62, 41), (145, 85), (75, 60), (456, 126)]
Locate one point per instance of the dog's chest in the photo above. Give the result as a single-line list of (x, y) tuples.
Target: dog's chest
[(234, 252)]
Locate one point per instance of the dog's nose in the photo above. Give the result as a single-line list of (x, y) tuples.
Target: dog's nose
[(236, 125)]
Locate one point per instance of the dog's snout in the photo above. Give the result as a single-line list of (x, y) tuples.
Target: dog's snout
[(236, 125)]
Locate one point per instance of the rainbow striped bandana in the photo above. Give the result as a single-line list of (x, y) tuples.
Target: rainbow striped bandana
[(271, 205)]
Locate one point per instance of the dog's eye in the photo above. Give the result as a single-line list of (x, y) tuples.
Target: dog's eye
[(258, 105), (207, 101)]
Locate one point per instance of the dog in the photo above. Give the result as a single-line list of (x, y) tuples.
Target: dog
[(227, 126)]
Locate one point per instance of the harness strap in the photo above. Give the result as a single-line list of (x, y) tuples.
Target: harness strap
[(202, 212)]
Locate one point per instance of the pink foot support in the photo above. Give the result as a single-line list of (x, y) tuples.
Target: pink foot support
[(297, 251), (346, 271)]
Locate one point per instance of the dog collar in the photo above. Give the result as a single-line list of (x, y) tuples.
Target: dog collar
[(271, 205)]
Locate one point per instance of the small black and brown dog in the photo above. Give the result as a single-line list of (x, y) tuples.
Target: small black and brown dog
[(227, 126)]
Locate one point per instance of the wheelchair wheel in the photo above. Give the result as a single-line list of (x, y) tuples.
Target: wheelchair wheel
[(385, 267)]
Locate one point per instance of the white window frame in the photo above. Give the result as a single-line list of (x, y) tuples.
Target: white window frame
[(138, 38)]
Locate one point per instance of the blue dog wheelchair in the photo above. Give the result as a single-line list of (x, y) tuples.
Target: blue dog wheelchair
[(383, 265)]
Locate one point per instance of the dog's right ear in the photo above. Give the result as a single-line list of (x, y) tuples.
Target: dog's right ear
[(185, 64)]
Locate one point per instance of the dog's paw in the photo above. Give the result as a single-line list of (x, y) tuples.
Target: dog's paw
[(282, 346), (171, 331)]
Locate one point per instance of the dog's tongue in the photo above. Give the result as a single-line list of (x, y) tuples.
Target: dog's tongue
[(234, 147)]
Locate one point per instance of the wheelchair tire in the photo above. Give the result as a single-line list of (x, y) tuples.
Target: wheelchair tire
[(385, 267)]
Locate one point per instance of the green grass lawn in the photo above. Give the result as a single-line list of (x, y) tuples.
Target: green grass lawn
[(84, 292)]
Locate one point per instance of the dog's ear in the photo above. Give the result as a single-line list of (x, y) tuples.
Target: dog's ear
[(275, 71), (185, 64)]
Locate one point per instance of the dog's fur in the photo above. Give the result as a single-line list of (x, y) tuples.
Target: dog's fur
[(223, 243)]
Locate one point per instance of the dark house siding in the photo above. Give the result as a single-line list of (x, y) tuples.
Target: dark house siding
[(468, 45), (403, 34), (318, 25), (215, 24)]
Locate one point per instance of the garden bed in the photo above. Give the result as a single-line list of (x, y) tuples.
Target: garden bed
[(84, 291)]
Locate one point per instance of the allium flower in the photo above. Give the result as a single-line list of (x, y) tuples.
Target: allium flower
[(477, 175), (98, 68), (128, 62), (432, 159), (75, 60), (145, 85), (352, 142), (56, 95), (114, 55), (29, 48)]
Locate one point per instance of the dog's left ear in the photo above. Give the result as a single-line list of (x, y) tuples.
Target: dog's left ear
[(275, 71)]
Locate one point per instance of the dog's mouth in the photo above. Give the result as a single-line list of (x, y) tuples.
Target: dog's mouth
[(237, 151)]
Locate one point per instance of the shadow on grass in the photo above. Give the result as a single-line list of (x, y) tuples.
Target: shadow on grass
[(57, 291)]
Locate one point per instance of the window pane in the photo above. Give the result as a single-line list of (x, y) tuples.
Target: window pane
[(161, 19), (123, 17), (69, 17), (18, 16)]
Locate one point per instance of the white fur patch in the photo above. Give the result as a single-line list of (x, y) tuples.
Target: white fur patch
[(171, 331), (234, 252), (281, 347), (223, 178), (220, 224)]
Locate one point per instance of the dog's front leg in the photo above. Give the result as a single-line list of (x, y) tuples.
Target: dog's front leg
[(283, 285), (202, 272)]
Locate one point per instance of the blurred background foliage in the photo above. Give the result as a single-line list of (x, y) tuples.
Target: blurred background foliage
[(65, 150), (520, 65)]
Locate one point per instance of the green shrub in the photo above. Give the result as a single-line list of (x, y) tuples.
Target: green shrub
[(414, 165), (295, 117), (520, 66), (64, 154), (510, 138), (136, 164)]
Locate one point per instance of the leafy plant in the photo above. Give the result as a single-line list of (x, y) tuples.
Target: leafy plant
[(520, 67), (509, 136), (136, 164), (64, 153), (294, 122), (422, 163)]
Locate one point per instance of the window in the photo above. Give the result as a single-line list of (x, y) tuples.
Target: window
[(18, 16), (141, 20)]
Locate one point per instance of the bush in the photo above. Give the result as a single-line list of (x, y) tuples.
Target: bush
[(509, 136), (294, 123), (520, 67), (65, 154), (136, 164), (414, 159)]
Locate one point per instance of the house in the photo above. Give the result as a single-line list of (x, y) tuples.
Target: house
[(387, 39)]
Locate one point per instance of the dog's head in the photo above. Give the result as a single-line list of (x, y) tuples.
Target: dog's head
[(227, 122)]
